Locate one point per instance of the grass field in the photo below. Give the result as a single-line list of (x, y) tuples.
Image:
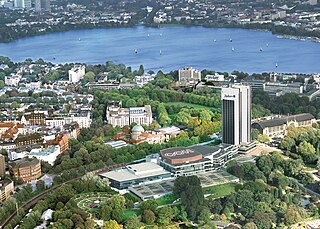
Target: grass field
[(183, 104), (129, 213), (222, 190), (167, 199)]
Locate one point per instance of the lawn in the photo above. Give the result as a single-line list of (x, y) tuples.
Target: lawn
[(221, 190), (183, 104), (129, 213), (167, 199)]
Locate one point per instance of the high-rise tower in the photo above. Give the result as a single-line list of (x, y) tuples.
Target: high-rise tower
[(236, 114)]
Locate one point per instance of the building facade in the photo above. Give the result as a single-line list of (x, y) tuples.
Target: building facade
[(77, 73), (185, 161), (26, 169), (189, 75), (236, 114), (6, 189), (118, 116), (2, 166), (274, 126)]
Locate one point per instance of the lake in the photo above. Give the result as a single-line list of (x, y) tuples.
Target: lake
[(170, 48)]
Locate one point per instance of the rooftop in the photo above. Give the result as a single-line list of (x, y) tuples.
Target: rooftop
[(25, 162), (277, 121), (132, 172)]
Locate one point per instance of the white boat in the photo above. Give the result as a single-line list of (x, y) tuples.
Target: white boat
[(214, 40), (261, 49), (79, 39), (232, 49), (136, 51), (276, 65), (230, 40), (160, 52), (267, 45)]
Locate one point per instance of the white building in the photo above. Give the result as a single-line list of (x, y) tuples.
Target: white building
[(48, 154), (12, 80), (189, 75), (77, 73), (118, 116), (142, 80), (236, 114), (84, 120), (214, 78), (22, 4)]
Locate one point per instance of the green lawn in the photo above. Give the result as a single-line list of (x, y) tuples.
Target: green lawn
[(221, 190), (196, 106), (167, 199), (129, 213)]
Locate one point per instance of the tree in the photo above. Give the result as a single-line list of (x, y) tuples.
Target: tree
[(111, 224), (2, 84), (305, 148), (287, 143), (150, 204), (204, 216), (206, 115), (208, 225), (254, 134), (15, 105), (105, 212), (165, 215), (148, 217), (250, 225), (292, 216), (264, 220), (190, 191), (133, 223), (263, 138), (183, 117), (89, 77), (141, 70)]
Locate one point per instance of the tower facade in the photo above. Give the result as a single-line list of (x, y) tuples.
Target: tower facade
[(236, 114), (2, 166)]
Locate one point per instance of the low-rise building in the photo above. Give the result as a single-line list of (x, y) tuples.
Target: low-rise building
[(143, 80), (182, 161), (34, 119), (48, 154), (214, 78), (30, 139), (6, 189), (12, 80), (118, 116), (277, 125), (10, 130), (139, 135), (279, 89), (26, 169), (135, 174)]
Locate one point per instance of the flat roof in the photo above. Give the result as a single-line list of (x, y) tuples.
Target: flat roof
[(136, 171)]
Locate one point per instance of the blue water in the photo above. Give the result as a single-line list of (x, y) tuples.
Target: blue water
[(180, 46)]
